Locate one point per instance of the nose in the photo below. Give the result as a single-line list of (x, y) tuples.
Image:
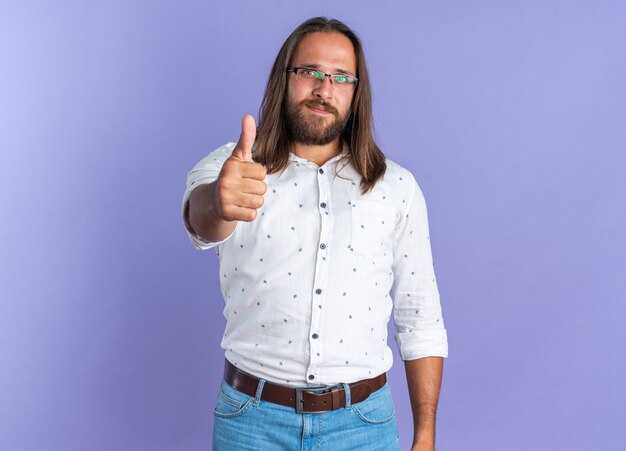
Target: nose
[(324, 88)]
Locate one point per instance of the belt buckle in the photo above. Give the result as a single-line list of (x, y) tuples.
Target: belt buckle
[(299, 407)]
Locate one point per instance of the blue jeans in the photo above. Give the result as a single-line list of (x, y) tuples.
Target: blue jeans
[(243, 422)]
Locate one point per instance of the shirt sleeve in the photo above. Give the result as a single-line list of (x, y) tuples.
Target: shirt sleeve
[(206, 171), (420, 331)]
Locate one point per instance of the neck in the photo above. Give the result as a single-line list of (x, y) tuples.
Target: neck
[(317, 154)]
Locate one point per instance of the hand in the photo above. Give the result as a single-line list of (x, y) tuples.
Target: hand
[(240, 187)]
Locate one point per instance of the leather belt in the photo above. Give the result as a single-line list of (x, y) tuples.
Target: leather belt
[(302, 399)]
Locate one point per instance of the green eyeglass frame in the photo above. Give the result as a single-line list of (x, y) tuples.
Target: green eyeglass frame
[(310, 74)]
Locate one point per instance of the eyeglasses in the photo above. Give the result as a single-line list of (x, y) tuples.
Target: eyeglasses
[(312, 76)]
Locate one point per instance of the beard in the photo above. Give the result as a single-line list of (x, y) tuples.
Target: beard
[(311, 129)]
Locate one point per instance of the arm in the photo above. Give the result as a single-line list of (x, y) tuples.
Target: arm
[(424, 381), (223, 189), (420, 330)]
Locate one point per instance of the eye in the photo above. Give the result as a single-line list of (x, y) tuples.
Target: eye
[(310, 73), (341, 79)]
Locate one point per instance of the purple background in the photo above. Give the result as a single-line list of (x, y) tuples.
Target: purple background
[(511, 115)]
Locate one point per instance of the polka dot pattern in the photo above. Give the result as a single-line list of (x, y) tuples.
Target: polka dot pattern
[(323, 260)]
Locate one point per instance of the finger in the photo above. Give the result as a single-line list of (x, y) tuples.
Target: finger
[(252, 186), (253, 171), (243, 150), (236, 213), (254, 201)]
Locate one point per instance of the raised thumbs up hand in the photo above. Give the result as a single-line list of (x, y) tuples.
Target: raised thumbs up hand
[(240, 187)]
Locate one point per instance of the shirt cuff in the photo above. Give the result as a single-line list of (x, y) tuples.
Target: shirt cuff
[(425, 343)]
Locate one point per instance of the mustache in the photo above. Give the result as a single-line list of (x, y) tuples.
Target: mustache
[(320, 103)]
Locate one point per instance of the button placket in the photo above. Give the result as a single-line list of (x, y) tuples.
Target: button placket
[(320, 281)]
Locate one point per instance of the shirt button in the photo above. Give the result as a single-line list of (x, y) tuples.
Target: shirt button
[(323, 205), (311, 377), (315, 336), (318, 291), (321, 171), (322, 246)]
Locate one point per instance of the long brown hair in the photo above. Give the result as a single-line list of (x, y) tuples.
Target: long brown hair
[(272, 139)]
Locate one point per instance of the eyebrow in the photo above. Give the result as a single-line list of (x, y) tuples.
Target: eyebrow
[(337, 70)]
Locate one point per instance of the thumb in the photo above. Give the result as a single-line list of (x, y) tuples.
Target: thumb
[(248, 134)]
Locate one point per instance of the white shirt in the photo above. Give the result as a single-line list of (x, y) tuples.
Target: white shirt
[(308, 285)]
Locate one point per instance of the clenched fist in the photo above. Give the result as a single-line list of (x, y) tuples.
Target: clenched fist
[(239, 187)]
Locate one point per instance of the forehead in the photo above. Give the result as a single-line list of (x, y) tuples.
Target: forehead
[(329, 51)]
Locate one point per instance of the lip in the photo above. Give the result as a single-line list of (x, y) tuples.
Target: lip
[(318, 109)]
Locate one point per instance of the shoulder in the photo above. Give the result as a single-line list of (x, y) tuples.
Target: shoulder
[(218, 156), (400, 189), (400, 179), (396, 169)]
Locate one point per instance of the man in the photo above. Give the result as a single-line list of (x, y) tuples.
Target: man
[(314, 228)]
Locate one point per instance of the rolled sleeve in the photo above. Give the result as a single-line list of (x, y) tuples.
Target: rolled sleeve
[(420, 330), (206, 171)]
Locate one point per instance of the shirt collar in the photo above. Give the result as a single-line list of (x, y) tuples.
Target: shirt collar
[(344, 152)]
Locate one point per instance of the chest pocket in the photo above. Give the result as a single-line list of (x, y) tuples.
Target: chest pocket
[(373, 224)]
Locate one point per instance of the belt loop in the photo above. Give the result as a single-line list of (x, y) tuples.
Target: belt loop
[(346, 389), (259, 390), (334, 392)]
